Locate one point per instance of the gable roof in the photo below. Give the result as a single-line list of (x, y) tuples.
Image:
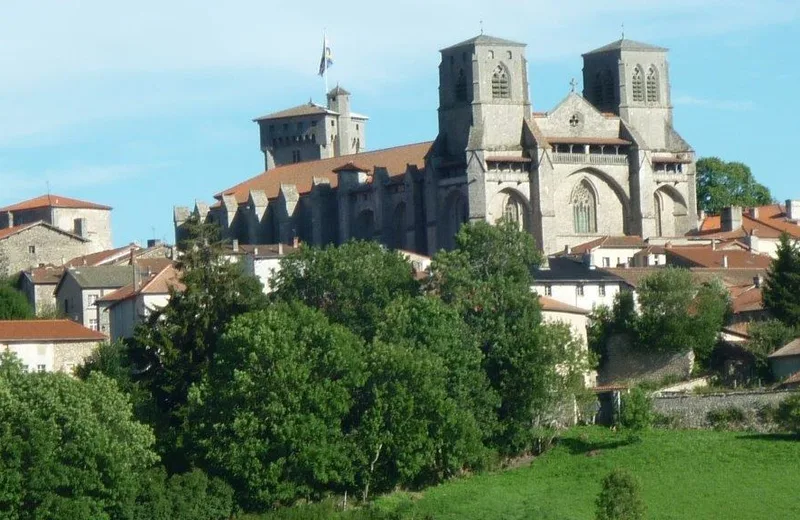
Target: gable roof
[(707, 256), (7, 232), (609, 242), (53, 201), (771, 221), (790, 349), (552, 305), (46, 330), (45, 275), (565, 269), (485, 39), (633, 276), (308, 109), (99, 277), (396, 161), (625, 44), (159, 283), (102, 257)]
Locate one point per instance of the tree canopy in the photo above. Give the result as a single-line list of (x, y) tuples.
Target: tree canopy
[(13, 304), (721, 184), (781, 291)]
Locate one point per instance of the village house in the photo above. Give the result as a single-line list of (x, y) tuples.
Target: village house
[(81, 287), (36, 244), (574, 283), (132, 304), (785, 361), (759, 228), (48, 345)]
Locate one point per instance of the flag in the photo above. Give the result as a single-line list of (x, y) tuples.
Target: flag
[(327, 57)]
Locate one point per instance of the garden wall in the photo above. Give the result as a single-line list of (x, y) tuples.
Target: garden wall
[(691, 411), (625, 364)]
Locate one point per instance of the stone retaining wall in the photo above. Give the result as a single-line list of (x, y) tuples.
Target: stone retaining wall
[(691, 411)]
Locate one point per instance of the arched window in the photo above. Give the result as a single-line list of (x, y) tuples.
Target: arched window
[(513, 212), (500, 87), (608, 87), (584, 209), (652, 84), (637, 85), (461, 86), (598, 90), (399, 226)]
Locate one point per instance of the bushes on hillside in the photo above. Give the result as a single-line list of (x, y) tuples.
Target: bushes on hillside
[(620, 498), (788, 414), (636, 411)]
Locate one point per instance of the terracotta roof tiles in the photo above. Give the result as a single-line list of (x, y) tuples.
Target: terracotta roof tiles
[(46, 330), (53, 201), (706, 256), (553, 305), (609, 242)]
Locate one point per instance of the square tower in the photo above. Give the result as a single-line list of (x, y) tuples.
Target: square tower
[(483, 91), (631, 79)]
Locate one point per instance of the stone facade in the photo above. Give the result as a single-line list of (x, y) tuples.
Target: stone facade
[(691, 411), (51, 356), (625, 364), (607, 162), (41, 244)]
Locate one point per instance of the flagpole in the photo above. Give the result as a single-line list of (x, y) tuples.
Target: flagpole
[(325, 57)]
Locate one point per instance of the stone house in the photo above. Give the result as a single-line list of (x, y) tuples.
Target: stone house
[(132, 304), (39, 286), (80, 287), (785, 361), (260, 260), (87, 220), (49, 345), (37, 244), (607, 162), (574, 283)]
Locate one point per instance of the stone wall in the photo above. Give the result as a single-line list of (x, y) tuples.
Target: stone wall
[(68, 355), (41, 245), (627, 364), (691, 411)]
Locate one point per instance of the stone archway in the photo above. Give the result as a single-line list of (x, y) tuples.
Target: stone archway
[(670, 212), (454, 214), (510, 205)]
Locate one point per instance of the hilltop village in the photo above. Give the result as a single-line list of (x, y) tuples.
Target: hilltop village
[(435, 304)]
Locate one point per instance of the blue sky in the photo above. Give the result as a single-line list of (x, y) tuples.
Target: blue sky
[(148, 105)]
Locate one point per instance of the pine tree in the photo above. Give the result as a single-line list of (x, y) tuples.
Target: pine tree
[(782, 287)]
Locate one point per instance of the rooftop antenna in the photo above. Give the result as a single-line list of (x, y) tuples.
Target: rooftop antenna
[(623, 31), (572, 84), (481, 23)]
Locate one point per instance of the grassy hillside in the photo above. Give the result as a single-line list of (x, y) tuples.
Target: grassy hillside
[(684, 475)]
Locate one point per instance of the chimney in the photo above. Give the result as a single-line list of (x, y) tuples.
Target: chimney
[(280, 248), (757, 281), (154, 242), (725, 261), (753, 212), (137, 281), (10, 217), (295, 242), (701, 215), (235, 245), (567, 249), (731, 218), (255, 251), (713, 244), (793, 209), (752, 241)]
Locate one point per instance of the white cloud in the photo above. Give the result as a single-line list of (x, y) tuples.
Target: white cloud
[(715, 104)]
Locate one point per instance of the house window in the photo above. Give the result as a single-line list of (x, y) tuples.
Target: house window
[(285, 127), (584, 209), (92, 299), (32, 250), (602, 289), (93, 323), (606, 261), (66, 305), (333, 123), (548, 290), (500, 83), (637, 85), (313, 123), (41, 368), (296, 156), (579, 290)]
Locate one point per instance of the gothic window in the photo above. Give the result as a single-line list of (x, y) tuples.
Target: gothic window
[(491, 55), (461, 86), (652, 84), (659, 210), (513, 212), (608, 87), (500, 87), (637, 85), (597, 91), (584, 209)]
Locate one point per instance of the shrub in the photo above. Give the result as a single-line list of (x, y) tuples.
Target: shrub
[(730, 417), (619, 499), (788, 414), (636, 412)]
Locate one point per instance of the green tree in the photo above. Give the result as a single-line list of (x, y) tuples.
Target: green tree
[(781, 292), (789, 414), (765, 338), (352, 283), (721, 184), (174, 348), (187, 496), (68, 448), (13, 304), (620, 498), (272, 414), (636, 410)]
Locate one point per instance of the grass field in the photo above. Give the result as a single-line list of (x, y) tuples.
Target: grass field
[(683, 474)]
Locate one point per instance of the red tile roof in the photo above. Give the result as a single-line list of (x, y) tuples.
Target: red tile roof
[(746, 298), (46, 330), (45, 275), (770, 223), (739, 329), (706, 256), (609, 242), (585, 140), (159, 283), (395, 160), (553, 305), (7, 232), (101, 257), (53, 201), (790, 349), (793, 379)]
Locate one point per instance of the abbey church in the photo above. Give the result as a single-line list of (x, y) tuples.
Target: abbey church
[(607, 162)]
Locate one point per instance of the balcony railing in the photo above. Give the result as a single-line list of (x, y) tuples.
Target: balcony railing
[(589, 158)]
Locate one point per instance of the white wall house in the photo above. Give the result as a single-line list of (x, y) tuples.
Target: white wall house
[(571, 282), (81, 287), (48, 345)]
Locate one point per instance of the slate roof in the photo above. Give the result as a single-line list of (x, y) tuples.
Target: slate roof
[(103, 276), (308, 109), (485, 39), (627, 45), (53, 201), (338, 91), (46, 330), (563, 269), (790, 349), (302, 174)]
